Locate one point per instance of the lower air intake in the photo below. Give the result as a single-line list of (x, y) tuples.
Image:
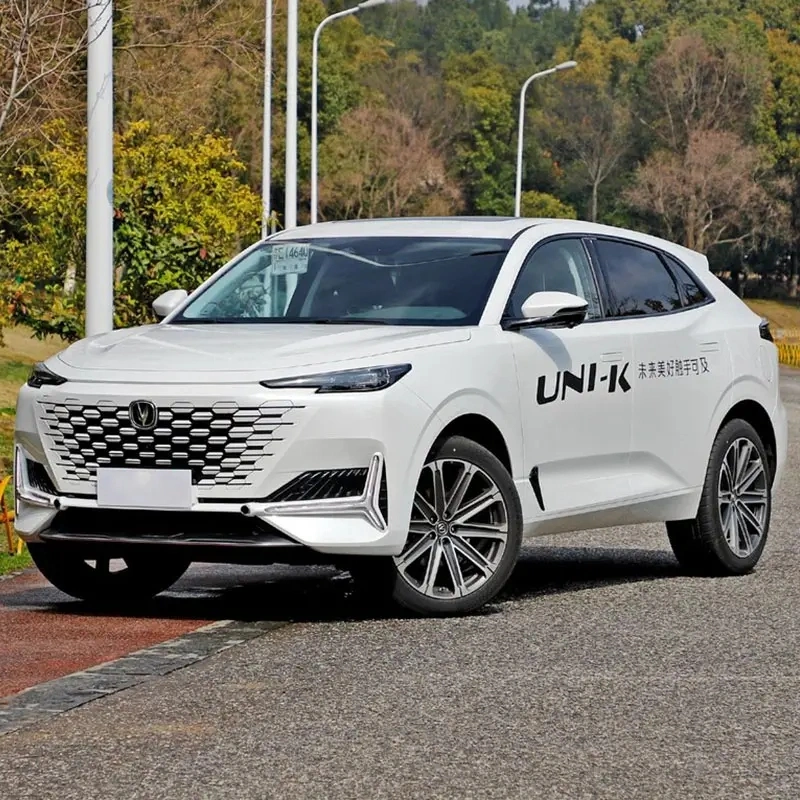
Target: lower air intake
[(38, 478), (322, 485)]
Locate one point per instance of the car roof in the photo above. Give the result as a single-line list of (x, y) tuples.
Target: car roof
[(467, 227), (479, 228)]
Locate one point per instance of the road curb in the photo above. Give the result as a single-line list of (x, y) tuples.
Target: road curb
[(46, 700)]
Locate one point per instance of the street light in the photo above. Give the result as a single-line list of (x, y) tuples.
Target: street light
[(290, 181), (266, 154), (314, 68), (100, 169), (557, 68)]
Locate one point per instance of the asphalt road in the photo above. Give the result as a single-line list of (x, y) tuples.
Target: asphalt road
[(602, 673)]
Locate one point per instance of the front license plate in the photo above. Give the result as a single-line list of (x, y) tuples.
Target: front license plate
[(168, 489)]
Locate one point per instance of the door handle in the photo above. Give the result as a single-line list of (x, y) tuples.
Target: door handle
[(611, 357), (709, 347)]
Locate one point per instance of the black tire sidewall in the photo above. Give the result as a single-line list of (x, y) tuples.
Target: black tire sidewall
[(461, 448), (142, 579), (709, 516)]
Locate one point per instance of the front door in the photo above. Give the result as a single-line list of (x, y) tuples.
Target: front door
[(575, 390)]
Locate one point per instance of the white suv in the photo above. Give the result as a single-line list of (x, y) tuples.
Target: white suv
[(407, 398)]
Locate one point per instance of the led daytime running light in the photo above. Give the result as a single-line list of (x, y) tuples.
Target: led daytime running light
[(367, 379)]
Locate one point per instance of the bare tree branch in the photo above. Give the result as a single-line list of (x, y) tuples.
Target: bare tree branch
[(39, 46), (714, 193)]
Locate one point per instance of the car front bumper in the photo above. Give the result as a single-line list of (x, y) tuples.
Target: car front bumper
[(375, 433)]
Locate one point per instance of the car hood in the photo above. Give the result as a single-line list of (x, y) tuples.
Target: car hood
[(245, 348)]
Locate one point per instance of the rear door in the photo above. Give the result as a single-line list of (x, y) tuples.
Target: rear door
[(680, 364)]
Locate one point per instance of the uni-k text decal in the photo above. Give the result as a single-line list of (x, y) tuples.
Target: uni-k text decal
[(586, 381)]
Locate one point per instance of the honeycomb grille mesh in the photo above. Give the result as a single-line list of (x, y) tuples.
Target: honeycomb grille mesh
[(220, 443)]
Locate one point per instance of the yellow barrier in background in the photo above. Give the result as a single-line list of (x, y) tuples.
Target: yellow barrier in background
[(789, 353), (6, 518)]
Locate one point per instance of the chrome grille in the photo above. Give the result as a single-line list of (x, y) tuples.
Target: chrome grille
[(220, 443)]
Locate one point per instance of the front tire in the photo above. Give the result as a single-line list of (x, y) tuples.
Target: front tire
[(464, 537), (728, 535), (94, 580)]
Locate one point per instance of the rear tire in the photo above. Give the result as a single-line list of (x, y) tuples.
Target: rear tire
[(464, 538), (95, 581), (728, 535)]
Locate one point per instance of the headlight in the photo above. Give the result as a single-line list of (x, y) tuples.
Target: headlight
[(42, 376), (368, 379)]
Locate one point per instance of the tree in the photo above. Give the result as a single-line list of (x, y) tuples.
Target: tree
[(407, 86), (449, 27), (379, 164), (181, 211), (694, 87), (593, 130), (484, 154), (541, 204), (187, 66), (40, 41), (779, 129), (711, 194)]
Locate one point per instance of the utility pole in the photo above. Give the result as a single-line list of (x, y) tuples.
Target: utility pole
[(290, 214), (100, 169)]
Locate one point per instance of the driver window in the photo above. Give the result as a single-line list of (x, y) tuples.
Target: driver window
[(557, 266)]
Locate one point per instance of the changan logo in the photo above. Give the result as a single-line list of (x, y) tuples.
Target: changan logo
[(143, 414)]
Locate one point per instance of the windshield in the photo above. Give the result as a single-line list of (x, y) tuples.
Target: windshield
[(366, 280)]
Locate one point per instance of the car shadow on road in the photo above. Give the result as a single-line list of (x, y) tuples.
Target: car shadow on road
[(327, 595), (557, 570)]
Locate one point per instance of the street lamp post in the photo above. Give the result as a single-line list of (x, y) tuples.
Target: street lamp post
[(290, 189), (100, 169), (314, 92), (557, 68), (266, 156)]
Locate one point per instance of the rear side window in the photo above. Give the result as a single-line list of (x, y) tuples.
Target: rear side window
[(695, 294), (639, 283)]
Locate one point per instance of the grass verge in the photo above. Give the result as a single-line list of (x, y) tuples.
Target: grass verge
[(782, 316), (13, 563)]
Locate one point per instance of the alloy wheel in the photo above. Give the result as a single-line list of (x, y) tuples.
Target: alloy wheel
[(458, 532), (742, 493)]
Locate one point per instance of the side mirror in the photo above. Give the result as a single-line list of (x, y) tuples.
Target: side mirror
[(550, 309), (167, 302)]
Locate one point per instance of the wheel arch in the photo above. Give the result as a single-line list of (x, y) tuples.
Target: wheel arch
[(756, 403), (756, 415), (482, 431), (475, 416)]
